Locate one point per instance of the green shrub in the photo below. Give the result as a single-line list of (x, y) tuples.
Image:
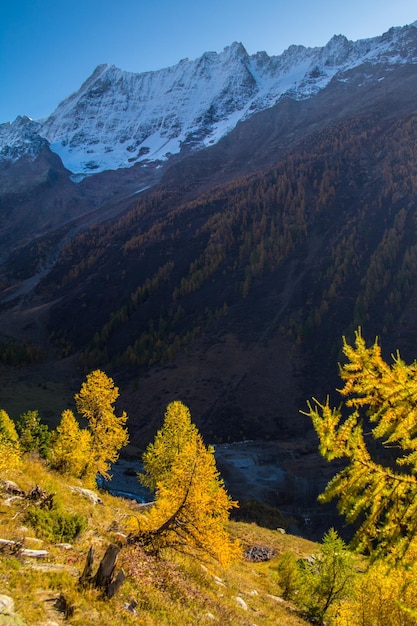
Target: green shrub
[(288, 574), (325, 579), (55, 525)]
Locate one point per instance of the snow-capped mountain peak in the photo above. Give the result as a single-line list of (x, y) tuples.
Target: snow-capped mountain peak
[(21, 138), (118, 118)]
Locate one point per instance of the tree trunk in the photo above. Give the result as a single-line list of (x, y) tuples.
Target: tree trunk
[(115, 585), (87, 575), (106, 568), (103, 578)]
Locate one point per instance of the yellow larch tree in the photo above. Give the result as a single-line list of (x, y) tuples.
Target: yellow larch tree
[(10, 452), (71, 446), (375, 431), (95, 402), (192, 506)]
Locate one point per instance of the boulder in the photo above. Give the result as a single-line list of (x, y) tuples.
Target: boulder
[(88, 493), (7, 614)]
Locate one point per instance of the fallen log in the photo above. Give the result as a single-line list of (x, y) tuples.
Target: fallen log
[(15, 547)]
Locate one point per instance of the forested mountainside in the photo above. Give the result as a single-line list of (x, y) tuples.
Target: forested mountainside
[(234, 296), (229, 283)]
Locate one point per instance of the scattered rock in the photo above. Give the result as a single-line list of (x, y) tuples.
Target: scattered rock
[(241, 603), (7, 614), (259, 553), (276, 599), (144, 506), (8, 501), (53, 567), (88, 493), (7, 546), (120, 536), (34, 540), (35, 554), (6, 605), (281, 530), (309, 560), (131, 606)]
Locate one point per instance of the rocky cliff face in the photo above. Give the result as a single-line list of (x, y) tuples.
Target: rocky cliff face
[(118, 119)]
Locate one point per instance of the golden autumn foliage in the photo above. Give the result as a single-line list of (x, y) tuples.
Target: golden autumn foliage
[(375, 431), (382, 595), (71, 446), (192, 506), (9, 443), (80, 452), (95, 402)]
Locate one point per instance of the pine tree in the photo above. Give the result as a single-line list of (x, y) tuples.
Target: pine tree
[(326, 579), (108, 433), (33, 435), (192, 506), (71, 446), (9, 443), (375, 431)]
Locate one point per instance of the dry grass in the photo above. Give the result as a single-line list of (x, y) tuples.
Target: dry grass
[(167, 592)]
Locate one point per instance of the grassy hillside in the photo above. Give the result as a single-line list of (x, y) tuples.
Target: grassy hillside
[(175, 591)]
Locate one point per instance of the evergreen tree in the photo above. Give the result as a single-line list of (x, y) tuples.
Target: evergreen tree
[(33, 435), (95, 402), (192, 507), (375, 431), (326, 579)]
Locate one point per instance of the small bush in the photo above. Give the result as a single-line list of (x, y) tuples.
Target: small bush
[(325, 579), (288, 573), (56, 525)]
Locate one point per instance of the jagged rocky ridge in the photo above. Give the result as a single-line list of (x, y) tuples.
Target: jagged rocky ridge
[(119, 118)]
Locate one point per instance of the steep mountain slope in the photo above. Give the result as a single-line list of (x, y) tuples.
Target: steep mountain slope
[(229, 279), (234, 297), (130, 128)]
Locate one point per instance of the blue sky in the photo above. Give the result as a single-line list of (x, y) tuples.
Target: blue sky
[(49, 47)]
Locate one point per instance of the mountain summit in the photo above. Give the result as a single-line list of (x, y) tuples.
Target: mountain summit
[(117, 118)]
